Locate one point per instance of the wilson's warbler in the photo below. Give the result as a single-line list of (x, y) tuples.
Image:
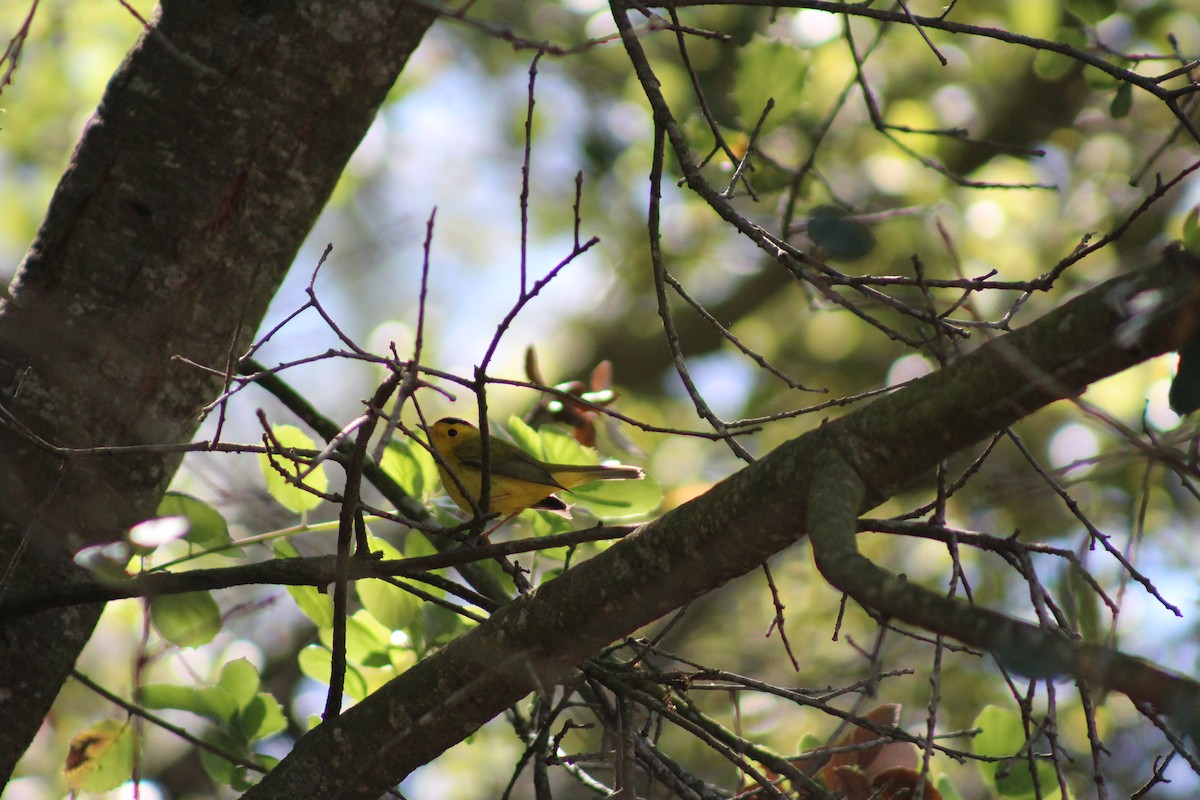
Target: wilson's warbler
[(519, 481)]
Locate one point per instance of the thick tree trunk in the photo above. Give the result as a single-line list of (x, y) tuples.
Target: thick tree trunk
[(214, 148)]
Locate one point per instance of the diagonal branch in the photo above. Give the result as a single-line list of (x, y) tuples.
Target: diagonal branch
[(839, 492), (540, 637), (315, 571)]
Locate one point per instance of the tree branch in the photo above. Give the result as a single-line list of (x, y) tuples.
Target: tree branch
[(216, 145), (317, 571), (539, 637)]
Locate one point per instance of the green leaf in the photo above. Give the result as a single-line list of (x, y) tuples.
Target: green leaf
[(101, 757), (1122, 101), (525, 437), (394, 608), (1002, 736), (411, 466), (169, 695), (549, 524), (617, 500), (1191, 231), (367, 640), (558, 447), (186, 620), (244, 779), (1018, 784), (210, 702), (270, 762), (401, 658), (769, 70), (809, 741), (417, 544), (314, 662), (221, 769), (262, 717), (240, 679), (315, 604), (946, 789), (287, 494), (1092, 11), (206, 527), (550, 444)]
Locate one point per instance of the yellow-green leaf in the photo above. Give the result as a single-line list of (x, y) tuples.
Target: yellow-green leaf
[(284, 490), (1001, 735), (210, 702), (316, 605), (240, 679), (314, 662), (1191, 231), (617, 500), (410, 466), (262, 717), (187, 620), (101, 757), (393, 607)]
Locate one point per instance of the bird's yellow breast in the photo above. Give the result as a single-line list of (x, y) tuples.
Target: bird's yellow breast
[(507, 495)]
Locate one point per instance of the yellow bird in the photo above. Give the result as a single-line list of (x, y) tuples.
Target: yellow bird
[(519, 481)]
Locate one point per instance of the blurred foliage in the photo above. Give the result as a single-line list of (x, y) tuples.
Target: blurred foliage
[(65, 62), (999, 163)]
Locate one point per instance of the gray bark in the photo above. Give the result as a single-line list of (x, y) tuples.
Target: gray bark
[(214, 148)]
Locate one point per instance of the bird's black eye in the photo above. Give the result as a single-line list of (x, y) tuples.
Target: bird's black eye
[(452, 432)]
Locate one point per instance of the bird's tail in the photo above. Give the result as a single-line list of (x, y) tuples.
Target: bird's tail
[(571, 475)]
